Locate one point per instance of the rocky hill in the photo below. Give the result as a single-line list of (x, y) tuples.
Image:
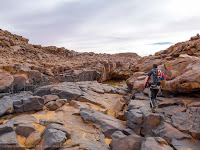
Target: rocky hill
[(54, 98)]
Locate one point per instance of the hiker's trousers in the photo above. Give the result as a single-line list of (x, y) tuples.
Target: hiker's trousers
[(154, 93)]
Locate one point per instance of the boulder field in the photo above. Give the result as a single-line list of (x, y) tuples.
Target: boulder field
[(53, 98)]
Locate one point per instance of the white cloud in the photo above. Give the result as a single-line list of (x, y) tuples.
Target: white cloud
[(100, 25)]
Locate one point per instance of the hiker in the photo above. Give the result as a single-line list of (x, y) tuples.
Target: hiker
[(155, 80)]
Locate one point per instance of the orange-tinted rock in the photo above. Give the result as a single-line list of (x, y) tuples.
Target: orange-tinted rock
[(20, 82), (6, 82), (136, 81)]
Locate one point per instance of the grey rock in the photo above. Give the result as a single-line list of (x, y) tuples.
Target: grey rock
[(53, 139), (168, 132), (8, 141), (44, 90), (6, 104), (21, 119), (6, 127), (59, 127), (37, 79), (195, 130), (134, 119), (67, 91), (27, 102)]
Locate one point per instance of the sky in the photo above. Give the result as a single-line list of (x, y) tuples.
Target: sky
[(103, 26)]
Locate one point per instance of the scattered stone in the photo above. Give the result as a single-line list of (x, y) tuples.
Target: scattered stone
[(25, 129), (33, 139), (53, 139)]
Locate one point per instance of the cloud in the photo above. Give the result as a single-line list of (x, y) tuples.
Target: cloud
[(162, 43), (102, 26)]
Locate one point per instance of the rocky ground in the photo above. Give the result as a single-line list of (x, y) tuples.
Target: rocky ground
[(54, 98)]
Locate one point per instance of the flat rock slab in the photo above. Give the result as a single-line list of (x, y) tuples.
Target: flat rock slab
[(59, 127), (8, 141), (107, 123), (21, 119)]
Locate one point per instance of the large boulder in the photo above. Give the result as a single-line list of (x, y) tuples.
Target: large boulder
[(185, 78), (66, 90)]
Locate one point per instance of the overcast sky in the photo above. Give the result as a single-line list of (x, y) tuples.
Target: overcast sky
[(103, 26)]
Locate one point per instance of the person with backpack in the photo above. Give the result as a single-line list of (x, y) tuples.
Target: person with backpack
[(155, 80)]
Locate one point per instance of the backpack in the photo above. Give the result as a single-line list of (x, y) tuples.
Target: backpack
[(155, 78)]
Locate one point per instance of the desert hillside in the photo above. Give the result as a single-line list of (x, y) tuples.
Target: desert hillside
[(55, 98)]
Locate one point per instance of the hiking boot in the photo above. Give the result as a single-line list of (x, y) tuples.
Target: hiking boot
[(153, 109)]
